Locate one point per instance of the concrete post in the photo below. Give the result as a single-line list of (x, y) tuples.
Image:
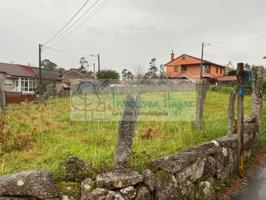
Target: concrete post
[(257, 94), (126, 133), (202, 88)]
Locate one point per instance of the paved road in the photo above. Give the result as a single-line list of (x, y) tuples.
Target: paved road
[(256, 188)]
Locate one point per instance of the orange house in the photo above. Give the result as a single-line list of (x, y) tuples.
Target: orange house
[(189, 67)]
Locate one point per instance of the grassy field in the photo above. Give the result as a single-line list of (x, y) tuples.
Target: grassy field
[(41, 136)]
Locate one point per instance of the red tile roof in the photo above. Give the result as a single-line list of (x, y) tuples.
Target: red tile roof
[(27, 68), (204, 61), (27, 71), (15, 70)]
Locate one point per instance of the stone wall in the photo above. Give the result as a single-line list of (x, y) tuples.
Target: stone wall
[(191, 174)]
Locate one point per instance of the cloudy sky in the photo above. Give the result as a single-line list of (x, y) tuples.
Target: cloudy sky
[(128, 33)]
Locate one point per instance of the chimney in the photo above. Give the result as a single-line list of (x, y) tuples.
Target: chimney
[(172, 55)]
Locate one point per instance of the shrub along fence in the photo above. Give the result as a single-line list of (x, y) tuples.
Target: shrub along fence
[(191, 174)]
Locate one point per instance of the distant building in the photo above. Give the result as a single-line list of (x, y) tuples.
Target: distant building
[(188, 67), (48, 76), (73, 74), (15, 78), (25, 79), (20, 82), (76, 74)]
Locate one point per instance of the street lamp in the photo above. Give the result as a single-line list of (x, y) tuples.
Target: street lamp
[(98, 60)]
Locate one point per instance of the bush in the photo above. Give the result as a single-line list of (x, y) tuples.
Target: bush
[(107, 74)]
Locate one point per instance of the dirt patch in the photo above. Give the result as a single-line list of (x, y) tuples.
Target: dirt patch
[(239, 185)]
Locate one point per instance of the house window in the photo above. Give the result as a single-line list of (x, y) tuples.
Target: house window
[(8, 84), (16, 82), (176, 69), (217, 70), (221, 71), (183, 68), (206, 68), (24, 84), (31, 88), (27, 85)]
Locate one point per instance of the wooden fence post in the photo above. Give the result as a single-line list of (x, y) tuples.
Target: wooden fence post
[(202, 88), (126, 133), (231, 112), (240, 118), (257, 94), (240, 133)]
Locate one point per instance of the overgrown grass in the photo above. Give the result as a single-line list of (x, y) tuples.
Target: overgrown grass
[(41, 136)]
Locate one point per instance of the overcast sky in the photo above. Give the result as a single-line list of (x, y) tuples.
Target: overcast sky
[(128, 33)]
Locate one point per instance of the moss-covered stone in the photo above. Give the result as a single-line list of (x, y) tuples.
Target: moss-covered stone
[(76, 169), (163, 175), (68, 189)]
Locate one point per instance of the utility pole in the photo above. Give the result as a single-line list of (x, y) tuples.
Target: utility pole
[(99, 62), (94, 72), (201, 61), (40, 69)]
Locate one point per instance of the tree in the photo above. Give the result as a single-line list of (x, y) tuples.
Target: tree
[(47, 64), (107, 74), (229, 69), (83, 63), (152, 72), (138, 72), (127, 75), (61, 70), (231, 73), (162, 74), (247, 66)]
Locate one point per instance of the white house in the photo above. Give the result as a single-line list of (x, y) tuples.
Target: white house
[(24, 79)]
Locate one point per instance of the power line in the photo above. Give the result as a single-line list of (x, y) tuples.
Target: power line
[(62, 57), (71, 19), (236, 42), (83, 22), (79, 19), (18, 36), (66, 52), (87, 55)]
